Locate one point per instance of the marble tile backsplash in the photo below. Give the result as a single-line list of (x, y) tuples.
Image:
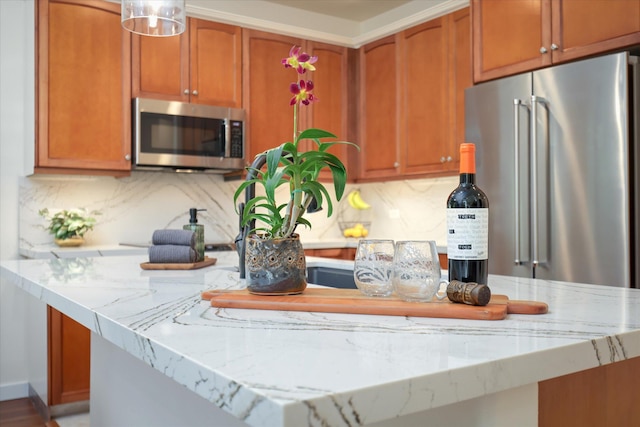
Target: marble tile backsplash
[(133, 207)]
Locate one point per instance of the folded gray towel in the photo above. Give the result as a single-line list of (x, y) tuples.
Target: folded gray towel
[(169, 254), (174, 237)]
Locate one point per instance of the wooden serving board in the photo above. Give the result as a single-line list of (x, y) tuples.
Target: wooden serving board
[(330, 300), (179, 265)]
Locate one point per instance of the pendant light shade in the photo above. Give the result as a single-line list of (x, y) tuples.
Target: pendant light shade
[(154, 17)]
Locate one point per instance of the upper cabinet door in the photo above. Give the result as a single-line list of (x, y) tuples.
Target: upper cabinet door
[(203, 65), (585, 28), (510, 37), (266, 84), (335, 105), (379, 138), (160, 67), (83, 87), (424, 98), (215, 63)]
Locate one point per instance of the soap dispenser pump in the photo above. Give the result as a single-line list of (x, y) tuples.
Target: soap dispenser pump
[(198, 229)]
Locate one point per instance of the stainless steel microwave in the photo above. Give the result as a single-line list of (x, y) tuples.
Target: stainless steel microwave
[(171, 135)]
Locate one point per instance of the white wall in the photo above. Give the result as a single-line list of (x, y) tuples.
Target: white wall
[(16, 131)]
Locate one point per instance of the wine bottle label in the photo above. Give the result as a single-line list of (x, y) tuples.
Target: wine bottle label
[(468, 233)]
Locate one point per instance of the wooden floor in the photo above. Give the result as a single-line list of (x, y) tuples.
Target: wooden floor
[(21, 413)]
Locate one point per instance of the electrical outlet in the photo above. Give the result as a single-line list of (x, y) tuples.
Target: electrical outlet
[(394, 213)]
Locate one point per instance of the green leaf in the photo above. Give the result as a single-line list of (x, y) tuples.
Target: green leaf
[(315, 134), (339, 181), (324, 146), (273, 160)]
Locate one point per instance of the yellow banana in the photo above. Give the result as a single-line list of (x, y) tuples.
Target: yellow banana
[(350, 199), (358, 203)]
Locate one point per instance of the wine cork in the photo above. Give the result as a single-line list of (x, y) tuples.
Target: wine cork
[(468, 293)]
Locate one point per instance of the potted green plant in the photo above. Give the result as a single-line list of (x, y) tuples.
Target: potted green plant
[(270, 224), (69, 226)]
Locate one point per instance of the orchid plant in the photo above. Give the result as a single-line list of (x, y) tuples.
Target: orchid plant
[(287, 165)]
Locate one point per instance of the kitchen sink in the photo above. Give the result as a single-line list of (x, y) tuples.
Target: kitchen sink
[(332, 277), (219, 247)]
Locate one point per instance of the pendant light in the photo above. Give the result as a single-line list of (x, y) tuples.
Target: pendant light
[(154, 17)]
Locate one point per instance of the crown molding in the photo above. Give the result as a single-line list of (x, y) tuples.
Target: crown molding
[(275, 18), (382, 28)]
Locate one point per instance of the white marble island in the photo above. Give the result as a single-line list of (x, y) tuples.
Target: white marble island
[(266, 368)]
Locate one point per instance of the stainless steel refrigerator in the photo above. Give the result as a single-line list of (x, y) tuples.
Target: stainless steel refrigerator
[(557, 156)]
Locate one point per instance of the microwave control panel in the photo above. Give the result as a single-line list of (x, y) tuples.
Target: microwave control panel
[(237, 143)]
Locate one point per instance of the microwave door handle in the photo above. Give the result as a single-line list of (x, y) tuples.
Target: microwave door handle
[(225, 138)]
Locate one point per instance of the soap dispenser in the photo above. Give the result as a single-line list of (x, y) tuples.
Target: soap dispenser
[(198, 229)]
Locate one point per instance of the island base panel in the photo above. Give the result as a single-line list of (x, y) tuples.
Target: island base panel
[(605, 396), (127, 392)]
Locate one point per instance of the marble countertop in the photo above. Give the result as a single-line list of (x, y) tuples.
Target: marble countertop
[(52, 251), (272, 368)]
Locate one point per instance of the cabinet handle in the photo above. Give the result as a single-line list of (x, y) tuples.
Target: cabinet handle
[(445, 159), (127, 157), (195, 93), (449, 158), (442, 159), (396, 165), (543, 49), (186, 91), (554, 46)]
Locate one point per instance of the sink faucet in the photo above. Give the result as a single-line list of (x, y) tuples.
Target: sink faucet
[(250, 193)]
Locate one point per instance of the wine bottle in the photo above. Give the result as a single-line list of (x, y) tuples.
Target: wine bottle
[(468, 224)]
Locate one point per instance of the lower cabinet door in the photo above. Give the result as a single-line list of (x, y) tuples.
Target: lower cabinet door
[(69, 359)]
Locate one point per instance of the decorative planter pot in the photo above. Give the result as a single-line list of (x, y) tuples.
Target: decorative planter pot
[(69, 242), (275, 267)]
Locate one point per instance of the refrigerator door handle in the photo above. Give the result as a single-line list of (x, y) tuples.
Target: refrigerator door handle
[(517, 103), (535, 100)]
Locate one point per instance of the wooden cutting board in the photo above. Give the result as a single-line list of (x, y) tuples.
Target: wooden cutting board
[(179, 265), (330, 300)]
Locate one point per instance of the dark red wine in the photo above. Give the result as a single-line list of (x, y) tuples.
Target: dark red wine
[(468, 224)]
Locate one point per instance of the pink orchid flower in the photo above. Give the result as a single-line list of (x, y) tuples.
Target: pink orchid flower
[(300, 61), (302, 92)]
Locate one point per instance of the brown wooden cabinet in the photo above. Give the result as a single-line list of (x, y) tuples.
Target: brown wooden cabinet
[(266, 90), (460, 78), (444, 261), (267, 95), (603, 396), (68, 359), (83, 95), (412, 99), (334, 112), (379, 113), (513, 37), (203, 65), (424, 98)]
